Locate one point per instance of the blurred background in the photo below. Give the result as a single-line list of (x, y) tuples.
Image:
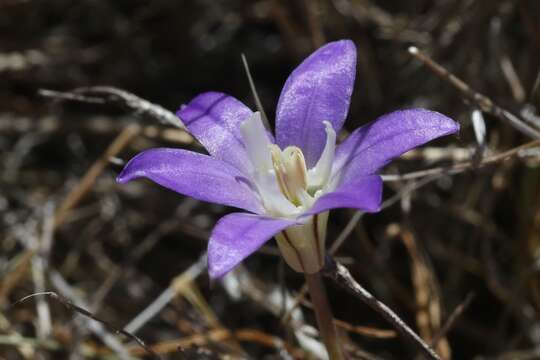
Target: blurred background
[(457, 256)]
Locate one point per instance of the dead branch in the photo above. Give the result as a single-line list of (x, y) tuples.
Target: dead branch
[(342, 277), (114, 96), (463, 166), (482, 101)]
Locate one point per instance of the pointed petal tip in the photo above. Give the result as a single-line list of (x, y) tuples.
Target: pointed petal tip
[(215, 273), (121, 179), (345, 49), (219, 264), (450, 124), (374, 208), (178, 112), (445, 122), (349, 45), (127, 174), (372, 146), (345, 44), (340, 49), (436, 121)]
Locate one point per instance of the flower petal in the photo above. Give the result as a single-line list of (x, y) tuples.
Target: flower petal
[(363, 193), (319, 89), (372, 146), (214, 119), (238, 235), (193, 174)]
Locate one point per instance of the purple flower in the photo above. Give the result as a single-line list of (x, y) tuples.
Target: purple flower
[(287, 184)]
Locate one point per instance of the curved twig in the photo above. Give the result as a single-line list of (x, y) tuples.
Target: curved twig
[(71, 306)]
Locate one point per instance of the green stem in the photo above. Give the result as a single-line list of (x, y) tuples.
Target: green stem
[(325, 320)]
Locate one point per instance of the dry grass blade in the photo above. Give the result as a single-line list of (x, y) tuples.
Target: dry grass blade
[(89, 178), (70, 306), (21, 268), (458, 311), (365, 330), (190, 291), (16, 340), (427, 296)]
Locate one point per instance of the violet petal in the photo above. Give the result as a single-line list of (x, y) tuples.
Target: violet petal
[(372, 146), (238, 235), (319, 89), (363, 193), (214, 119), (193, 174)]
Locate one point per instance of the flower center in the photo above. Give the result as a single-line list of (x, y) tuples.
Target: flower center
[(285, 185), (291, 172)]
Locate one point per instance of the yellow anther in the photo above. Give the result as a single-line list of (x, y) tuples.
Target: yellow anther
[(291, 172), (295, 167)]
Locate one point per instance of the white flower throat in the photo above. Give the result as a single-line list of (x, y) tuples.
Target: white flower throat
[(287, 188)]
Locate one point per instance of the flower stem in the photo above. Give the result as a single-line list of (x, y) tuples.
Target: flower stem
[(325, 320)]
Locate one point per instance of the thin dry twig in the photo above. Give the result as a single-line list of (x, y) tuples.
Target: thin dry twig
[(35, 132), (218, 335), (348, 229), (482, 101), (463, 166), (458, 311), (342, 277), (392, 27), (71, 306), (71, 96), (40, 265), (313, 13), (406, 190), (111, 95), (254, 92), (365, 330)]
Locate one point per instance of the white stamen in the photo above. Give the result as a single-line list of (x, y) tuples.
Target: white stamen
[(258, 147), (273, 199), (306, 199), (318, 175), (256, 142)]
